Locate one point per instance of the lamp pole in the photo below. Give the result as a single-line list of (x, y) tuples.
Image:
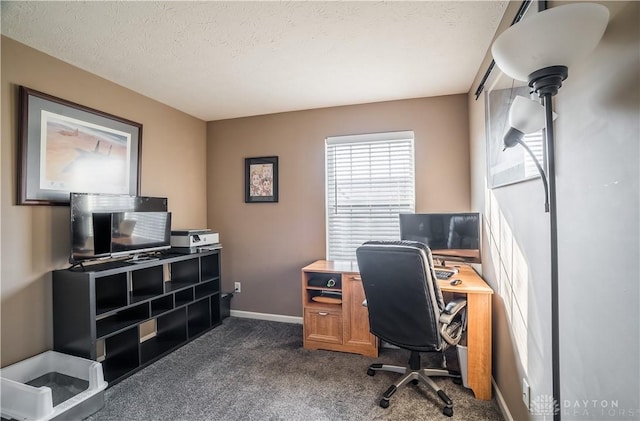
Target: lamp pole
[(553, 234), (546, 82)]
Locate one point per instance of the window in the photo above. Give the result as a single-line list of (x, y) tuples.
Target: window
[(370, 180)]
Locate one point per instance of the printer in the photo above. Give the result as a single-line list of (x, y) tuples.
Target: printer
[(193, 240)]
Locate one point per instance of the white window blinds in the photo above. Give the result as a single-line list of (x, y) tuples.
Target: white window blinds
[(370, 180), (535, 143)]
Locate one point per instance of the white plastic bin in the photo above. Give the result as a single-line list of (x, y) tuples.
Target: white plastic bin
[(71, 387), (462, 359)]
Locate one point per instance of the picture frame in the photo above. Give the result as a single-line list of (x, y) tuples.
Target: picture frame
[(261, 179), (66, 147), (513, 165)]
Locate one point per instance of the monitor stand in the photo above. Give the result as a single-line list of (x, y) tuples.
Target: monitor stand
[(441, 264), (141, 258)]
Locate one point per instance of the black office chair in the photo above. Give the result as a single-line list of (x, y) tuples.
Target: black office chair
[(406, 309)]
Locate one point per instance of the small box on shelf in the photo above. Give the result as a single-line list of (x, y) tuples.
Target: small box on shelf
[(324, 280)]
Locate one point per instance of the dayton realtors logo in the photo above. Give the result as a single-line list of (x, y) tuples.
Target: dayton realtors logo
[(544, 405), (600, 408), (547, 406)]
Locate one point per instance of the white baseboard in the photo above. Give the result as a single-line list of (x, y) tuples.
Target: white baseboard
[(266, 316), (501, 403)]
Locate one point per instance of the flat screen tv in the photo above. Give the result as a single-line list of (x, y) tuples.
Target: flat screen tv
[(450, 236), (92, 219)]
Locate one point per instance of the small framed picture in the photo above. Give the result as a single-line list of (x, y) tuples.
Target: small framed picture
[(261, 179)]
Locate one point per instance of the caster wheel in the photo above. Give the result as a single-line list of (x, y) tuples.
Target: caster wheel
[(457, 380), (371, 372), (414, 381), (448, 412), (384, 403)]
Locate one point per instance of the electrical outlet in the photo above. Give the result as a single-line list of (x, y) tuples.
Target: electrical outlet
[(526, 391), (237, 287)]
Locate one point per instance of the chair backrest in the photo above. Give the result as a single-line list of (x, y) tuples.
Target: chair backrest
[(403, 297)]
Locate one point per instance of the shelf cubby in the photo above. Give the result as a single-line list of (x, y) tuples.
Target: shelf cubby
[(171, 332), (199, 317), (209, 267), (161, 305), (323, 306), (146, 283), (323, 292), (206, 288), (328, 281), (185, 272), (121, 354), (122, 319), (184, 296), (111, 292)]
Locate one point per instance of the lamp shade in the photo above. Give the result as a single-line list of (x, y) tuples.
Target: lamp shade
[(558, 36), (526, 116)]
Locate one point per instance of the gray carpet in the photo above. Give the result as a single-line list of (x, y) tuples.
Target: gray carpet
[(257, 370)]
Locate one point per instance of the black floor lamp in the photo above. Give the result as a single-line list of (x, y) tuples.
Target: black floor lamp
[(539, 50)]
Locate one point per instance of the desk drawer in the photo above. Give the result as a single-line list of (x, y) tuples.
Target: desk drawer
[(323, 325)]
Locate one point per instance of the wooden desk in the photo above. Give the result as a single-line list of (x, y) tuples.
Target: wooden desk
[(478, 330), (345, 327), (340, 326)]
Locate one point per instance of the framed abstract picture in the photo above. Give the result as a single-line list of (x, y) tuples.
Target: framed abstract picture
[(66, 147), (261, 179)]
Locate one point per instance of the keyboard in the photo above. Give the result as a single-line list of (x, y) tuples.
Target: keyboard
[(443, 274)]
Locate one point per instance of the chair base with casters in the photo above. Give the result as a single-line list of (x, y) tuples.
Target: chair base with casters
[(415, 374)]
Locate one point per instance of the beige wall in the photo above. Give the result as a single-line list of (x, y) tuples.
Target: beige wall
[(266, 244), (35, 239)]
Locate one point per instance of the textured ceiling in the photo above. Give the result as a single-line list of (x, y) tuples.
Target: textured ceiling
[(218, 60)]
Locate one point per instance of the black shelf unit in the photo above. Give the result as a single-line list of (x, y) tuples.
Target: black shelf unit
[(98, 311)]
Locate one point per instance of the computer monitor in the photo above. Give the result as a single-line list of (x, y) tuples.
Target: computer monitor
[(450, 236)]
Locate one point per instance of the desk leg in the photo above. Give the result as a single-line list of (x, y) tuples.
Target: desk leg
[(479, 345)]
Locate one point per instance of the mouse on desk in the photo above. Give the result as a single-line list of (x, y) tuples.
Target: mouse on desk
[(455, 282)]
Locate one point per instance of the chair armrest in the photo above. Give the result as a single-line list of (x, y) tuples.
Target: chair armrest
[(453, 321), (452, 309), (455, 306)]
